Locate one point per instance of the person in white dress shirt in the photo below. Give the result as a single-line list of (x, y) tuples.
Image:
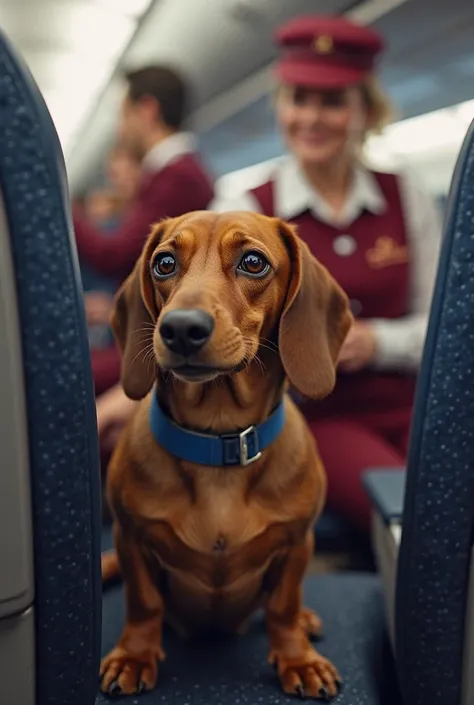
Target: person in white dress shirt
[(378, 234)]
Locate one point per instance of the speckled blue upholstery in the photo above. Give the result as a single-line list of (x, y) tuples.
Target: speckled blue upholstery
[(236, 672), (60, 400), (439, 506)]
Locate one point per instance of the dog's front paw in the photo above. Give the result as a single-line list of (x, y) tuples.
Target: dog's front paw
[(123, 672), (310, 676)]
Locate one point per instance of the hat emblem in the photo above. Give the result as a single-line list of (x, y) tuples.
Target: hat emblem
[(323, 44)]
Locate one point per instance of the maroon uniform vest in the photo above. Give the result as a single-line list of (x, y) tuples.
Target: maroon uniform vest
[(376, 277)]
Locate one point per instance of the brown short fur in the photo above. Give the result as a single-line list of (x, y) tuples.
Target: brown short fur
[(228, 540)]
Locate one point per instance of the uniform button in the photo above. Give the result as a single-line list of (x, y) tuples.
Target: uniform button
[(344, 245), (356, 307)]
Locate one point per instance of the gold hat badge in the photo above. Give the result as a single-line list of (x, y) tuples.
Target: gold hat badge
[(324, 44)]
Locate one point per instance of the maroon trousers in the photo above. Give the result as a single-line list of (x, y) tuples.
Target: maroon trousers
[(350, 446)]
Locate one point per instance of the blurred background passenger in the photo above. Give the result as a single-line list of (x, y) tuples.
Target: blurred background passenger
[(172, 181), (377, 233)]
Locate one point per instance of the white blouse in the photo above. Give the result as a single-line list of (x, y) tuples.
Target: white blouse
[(399, 342)]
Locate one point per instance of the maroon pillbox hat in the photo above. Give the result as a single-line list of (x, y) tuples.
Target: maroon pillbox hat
[(325, 52)]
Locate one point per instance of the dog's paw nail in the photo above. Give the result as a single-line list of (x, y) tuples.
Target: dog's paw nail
[(300, 691), (339, 683), (115, 689), (141, 687), (324, 693)]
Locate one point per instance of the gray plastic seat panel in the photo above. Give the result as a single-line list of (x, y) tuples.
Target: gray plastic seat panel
[(17, 659), (16, 550)]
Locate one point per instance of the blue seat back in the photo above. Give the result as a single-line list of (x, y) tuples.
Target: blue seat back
[(63, 447), (438, 518)]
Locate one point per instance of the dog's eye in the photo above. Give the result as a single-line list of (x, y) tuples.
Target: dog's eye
[(164, 265), (254, 263)]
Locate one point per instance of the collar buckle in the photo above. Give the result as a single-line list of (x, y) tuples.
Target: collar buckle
[(241, 448), (245, 459)]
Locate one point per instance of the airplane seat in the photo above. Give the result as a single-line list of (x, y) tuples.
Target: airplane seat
[(423, 519), (50, 591)]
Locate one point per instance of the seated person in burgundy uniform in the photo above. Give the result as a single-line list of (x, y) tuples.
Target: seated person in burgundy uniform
[(172, 182), (378, 234)]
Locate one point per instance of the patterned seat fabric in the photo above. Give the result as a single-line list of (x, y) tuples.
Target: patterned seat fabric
[(439, 504), (60, 401)]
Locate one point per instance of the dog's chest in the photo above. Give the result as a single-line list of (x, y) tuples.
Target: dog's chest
[(220, 521), (220, 539)]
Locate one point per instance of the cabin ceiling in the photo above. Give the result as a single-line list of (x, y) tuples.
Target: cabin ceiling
[(76, 50)]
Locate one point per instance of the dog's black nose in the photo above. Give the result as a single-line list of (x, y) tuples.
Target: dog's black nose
[(185, 331)]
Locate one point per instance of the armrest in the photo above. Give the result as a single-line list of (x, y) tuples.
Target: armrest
[(386, 490)]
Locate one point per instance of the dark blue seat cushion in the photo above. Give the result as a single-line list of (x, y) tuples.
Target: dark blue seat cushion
[(332, 529), (235, 670)]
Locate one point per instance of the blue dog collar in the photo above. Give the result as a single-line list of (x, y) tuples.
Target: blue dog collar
[(229, 449)]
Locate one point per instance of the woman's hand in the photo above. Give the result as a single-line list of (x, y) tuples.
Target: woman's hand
[(358, 348), (114, 409), (98, 307)]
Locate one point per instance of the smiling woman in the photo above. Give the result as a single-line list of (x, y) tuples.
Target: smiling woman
[(377, 233)]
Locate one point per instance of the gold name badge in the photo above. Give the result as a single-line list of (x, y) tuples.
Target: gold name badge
[(385, 253)]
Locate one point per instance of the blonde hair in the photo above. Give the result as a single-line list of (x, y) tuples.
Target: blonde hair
[(379, 108)]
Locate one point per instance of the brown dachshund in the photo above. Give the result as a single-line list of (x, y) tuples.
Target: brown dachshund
[(218, 313)]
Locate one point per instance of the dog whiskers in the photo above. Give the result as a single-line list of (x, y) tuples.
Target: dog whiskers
[(262, 365), (269, 345), (263, 343), (146, 324), (249, 357), (150, 357), (144, 351), (145, 343), (147, 337)]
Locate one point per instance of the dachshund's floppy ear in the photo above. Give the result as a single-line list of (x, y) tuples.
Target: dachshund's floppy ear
[(315, 321), (133, 319)]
